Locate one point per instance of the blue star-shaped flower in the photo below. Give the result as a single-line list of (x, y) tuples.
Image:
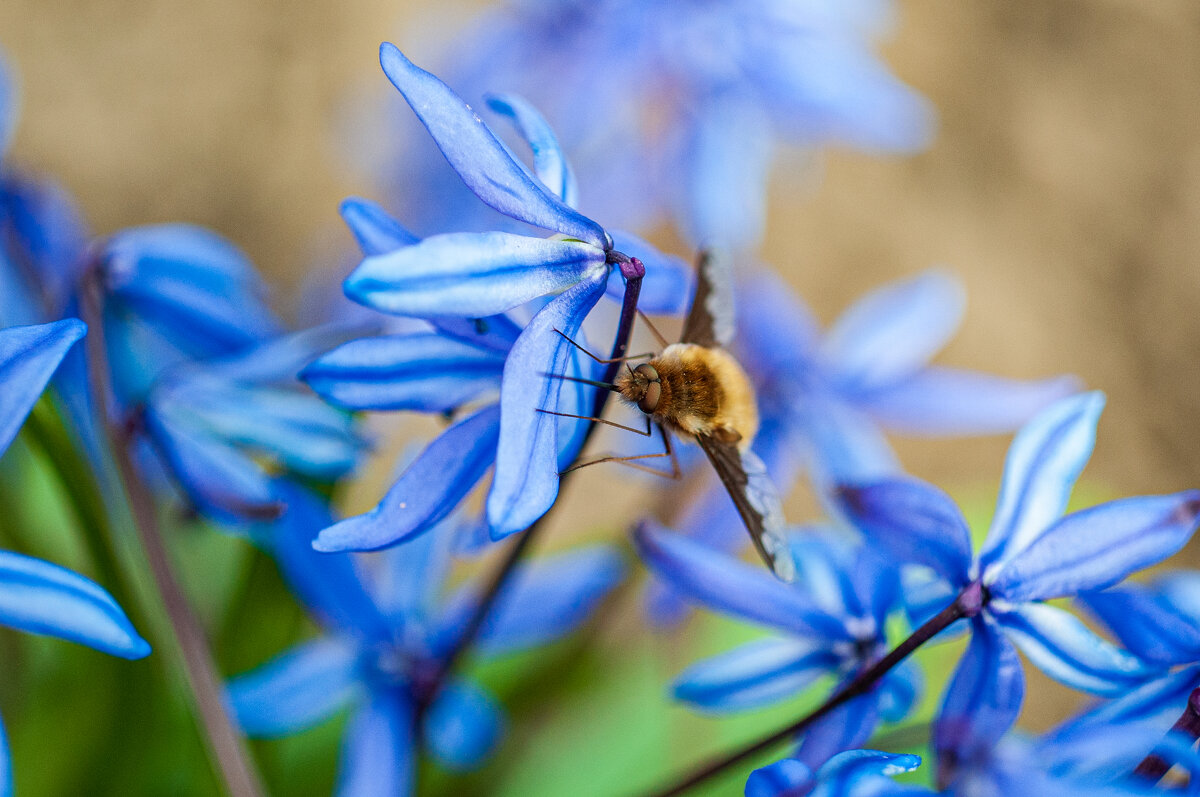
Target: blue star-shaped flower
[(834, 616), (1032, 554), (384, 641)]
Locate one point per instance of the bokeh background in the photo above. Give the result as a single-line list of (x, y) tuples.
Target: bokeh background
[(1063, 185)]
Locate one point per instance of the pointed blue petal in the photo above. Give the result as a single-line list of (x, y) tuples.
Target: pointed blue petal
[(463, 726), (471, 274), (728, 585), (1044, 460), (782, 779), (425, 372), (480, 160), (893, 331), (1069, 652), (776, 331), (847, 727), (379, 757), (899, 690), (497, 332), (846, 446), (1097, 547), (669, 282), (427, 491), (914, 521), (1181, 590), (28, 358), (1158, 701), (549, 162), (526, 480), (296, 689), (43, 598), (409, 584), (983, 699), (842, 773), (542, 602), (1147, 623), (756, 674), (950, 402), (925, 594), (374, 229)]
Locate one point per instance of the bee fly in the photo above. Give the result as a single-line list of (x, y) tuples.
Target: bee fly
[(696, 389)]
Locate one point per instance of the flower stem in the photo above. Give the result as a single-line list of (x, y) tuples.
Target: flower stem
[(633, 271), (967, 604), (1154, 766), (226, 745)]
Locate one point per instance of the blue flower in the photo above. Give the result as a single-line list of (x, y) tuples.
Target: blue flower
[(38, 596), (384, 639), (854, 773), (834, 616), (1032, 554)]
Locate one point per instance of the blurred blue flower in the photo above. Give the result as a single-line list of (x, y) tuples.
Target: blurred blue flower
[(854, 773), (1032, 554), (35, 595), (678, 108), (385, 638), (834, 614)]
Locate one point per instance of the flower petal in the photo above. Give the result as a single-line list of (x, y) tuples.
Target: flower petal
[(913, 520), (955, 403), (463, 726), (847, 727), (782, 779), (296, 689), (1044, 460), (1095, 548), (470, 274), (526, 480), (899, 690), (669, 282), (777, 333), (893, 331), (983, 699), (374, 229), (543, 600), (756, 674), (28, 358), (379, 752), (427, 491), (479, 158), (842, 773), (1068, 651), (1159, 701), (43, 598), (426, 372), (6, 784), (1147, 623), (549, 162), (728, 585)]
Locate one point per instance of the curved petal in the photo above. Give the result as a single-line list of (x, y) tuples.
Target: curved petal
[(845, 771), (479, 158), (893, 331), (425, 372), (43, 598), (756, 674), (374, 229), (1044, 460), (543, 600), (847, 727), (427, 491), (983, 699), (297, 689), (728, 585), (471, 274), (776, 331), (913, 520), (953, 403), (1159, 701), (463, 726), (1181, 590), (497, 332), (28, 358), (549, 162), (845, 445), (669, 282), (781, 779), (899, 690), (1095, 548), (526, 480), (379, 752), (1065, 649), (1147, 623)]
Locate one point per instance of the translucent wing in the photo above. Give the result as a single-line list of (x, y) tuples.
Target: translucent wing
[(753, 493), (710, 321)]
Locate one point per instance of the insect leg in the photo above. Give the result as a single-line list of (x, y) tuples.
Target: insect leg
[(658, 335), (599, 420), (628, 462)]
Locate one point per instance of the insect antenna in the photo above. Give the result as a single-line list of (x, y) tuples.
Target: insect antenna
[(646, 433), (653, 330), (597, 359)]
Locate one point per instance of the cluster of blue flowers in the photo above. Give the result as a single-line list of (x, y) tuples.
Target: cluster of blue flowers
[(200, 398)]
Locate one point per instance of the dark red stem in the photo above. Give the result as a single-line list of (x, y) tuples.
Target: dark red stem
[(1154, 766)]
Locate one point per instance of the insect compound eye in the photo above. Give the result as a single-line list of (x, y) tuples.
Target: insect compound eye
[(649, 402), (649, 372)]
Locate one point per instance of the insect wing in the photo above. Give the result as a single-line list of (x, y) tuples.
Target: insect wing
[(710, 321), (745, 478)]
